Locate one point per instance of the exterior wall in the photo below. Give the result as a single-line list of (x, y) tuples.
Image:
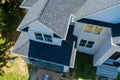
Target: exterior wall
[(104, 56), (102, 50), (40, 28), (110, 15), (50, 65), (98, 39), (118, 68)]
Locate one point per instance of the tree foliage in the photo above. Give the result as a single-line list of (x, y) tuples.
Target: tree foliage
[(10, 17)]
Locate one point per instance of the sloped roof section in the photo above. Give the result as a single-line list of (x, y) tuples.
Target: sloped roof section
[(54, 14), (92, 6), (57, 13), (21, 47), (28, 3), (33, 14)]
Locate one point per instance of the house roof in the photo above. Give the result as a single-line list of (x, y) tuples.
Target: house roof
[(28, 3), (32, 14), (54, 14), (22, 45), (42, 51), (92, 6)]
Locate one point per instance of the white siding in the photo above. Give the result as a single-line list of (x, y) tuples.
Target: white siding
[(98, 39), (107, 71), (41, 28), (118, 69), (73, 56), (106, 45), (78, 28), (102, 57)]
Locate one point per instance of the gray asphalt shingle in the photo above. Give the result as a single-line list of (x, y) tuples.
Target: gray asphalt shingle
[(92, 6), (28, 3), (55, 15)]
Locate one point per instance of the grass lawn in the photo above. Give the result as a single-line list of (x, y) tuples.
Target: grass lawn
[(14, 71), (84, 68), (10, 18)]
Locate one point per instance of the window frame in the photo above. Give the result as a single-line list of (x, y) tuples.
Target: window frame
[(81, 43), (90, 30), (87, 44), (90, 44), (94, 27), (44, 39), (47, 39)]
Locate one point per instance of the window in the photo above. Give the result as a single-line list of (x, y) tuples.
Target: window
[(48, 38), (97, 30), (90, 44), (43, 37), (85, 43), (88, 28), (115, 56), (38, 36), (93, 29)]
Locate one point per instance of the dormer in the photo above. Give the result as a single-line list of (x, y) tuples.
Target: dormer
[(39, 32), (48, 21), (101, 13)]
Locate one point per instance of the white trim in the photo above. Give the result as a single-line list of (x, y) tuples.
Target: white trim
[(66, 69), (90, 14), (43, 41), (26, 60), (21, 5), (67, 27), (73, 56), (114, 48), (43, 37)]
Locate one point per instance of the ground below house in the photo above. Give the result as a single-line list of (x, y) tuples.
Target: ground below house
[(13, 67), (83, 67), (83, 70), (19, 70)]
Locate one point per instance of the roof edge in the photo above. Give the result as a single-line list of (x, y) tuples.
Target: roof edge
[(77, 18)]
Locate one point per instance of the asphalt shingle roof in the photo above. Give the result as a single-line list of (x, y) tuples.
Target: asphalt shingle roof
[(32, 14), (92, 6), (55, 14), (28, 3)]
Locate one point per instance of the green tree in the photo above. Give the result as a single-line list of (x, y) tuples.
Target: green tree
[(10, 17)]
